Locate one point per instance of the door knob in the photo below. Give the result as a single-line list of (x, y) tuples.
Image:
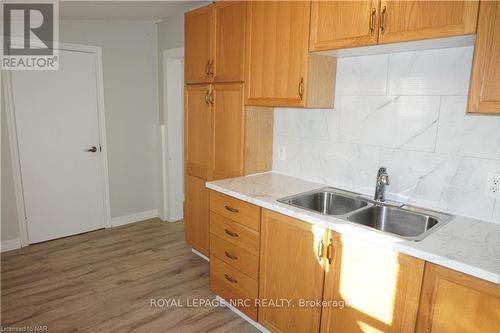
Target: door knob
[(92, 149)]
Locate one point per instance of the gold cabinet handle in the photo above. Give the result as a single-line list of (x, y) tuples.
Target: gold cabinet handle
[(301, 88), (211, 69), (231, 233), (230, 256), (207, 68), (207, 97), (382, 20), (320, 249), (230, 279), (330, 252), (231, 209), (211, 97), (373, 17)]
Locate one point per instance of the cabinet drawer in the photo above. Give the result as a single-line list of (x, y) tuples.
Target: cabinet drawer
[(235, 256), (236, 210), (233, 285), (234, 233)]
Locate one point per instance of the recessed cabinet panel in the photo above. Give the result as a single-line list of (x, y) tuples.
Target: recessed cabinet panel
[(198, 34), (196, 216), (342, 24)]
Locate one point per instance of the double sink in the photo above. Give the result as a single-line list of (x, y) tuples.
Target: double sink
[(402, 220)]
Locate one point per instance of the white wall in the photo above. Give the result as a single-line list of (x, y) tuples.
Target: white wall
[(405, 111)]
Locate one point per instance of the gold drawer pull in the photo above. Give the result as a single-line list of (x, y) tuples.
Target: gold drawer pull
[(231, 233), (231, 209), (320, 249), (383, 20), (230, 279), (230, 256), (372, 20), (330, 252)]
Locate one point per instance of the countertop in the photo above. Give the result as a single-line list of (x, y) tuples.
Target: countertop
[(464, 244)]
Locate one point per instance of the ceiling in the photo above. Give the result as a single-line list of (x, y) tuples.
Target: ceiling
[(123, 10)]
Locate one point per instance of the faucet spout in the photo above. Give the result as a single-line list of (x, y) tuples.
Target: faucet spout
[(381, 184)]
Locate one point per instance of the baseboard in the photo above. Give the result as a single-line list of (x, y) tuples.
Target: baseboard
[(242, 315), (126, 219), (11, 244), (198, 253)]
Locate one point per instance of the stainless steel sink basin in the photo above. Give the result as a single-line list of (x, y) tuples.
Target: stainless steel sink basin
[(327, 201), (405, 223)]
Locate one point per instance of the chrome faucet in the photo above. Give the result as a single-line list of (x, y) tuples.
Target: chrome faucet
[(380, 186)]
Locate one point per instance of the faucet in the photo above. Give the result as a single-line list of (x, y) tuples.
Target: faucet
[(380, 186)]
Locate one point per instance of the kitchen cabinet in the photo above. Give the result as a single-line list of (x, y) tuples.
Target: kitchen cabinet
[(196, 217), (345, 24), (198, 45), (455, 302), (280, 72), (484, 90), (342, 24), (380, 286), (215, 43), (414, 20), (291, 267)]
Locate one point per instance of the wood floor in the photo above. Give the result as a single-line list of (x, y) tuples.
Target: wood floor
[(104, 281)]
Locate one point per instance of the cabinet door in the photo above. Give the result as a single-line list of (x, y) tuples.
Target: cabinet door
[(227, 131), (484, 94), (412, 20), (229, 41), (381, 287), (196, 216), (198, 34), (290, 268), (277, 50), (197, 130), (455, 302), (341, 24)]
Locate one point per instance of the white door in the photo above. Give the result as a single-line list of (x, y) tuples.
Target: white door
[(57, 121)]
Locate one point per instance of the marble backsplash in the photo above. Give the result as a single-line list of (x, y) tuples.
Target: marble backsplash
[(405, 111)]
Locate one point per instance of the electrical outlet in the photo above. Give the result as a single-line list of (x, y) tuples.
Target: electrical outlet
[(282, 153), (492, 188)]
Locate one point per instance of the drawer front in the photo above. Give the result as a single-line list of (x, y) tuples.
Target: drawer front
[(233, 285), (235, 256), (234, 233), (236, 210)]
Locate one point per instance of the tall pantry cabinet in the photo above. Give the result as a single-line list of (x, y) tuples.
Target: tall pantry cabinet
[(223, 138)]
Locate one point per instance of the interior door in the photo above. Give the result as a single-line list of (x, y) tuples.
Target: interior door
[(412, 20), (197, 129), (57, 121), (227, 131), (198, 50), (341, 24)]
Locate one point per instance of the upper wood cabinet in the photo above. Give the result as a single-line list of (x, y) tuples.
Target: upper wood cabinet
[(413, 20), (196, 214), (291, 267), (197, 130), (381, 288), (279, 69), (198, 45), (484, 93), (229, 41), (215, 43), (456, 302), (342, 24)]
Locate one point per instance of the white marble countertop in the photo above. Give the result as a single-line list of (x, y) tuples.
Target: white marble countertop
[(464, 244)]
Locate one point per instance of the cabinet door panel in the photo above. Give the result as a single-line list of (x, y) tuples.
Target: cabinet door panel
[(277, 50), (227, 131), (412, 20), (229, 41), (484, 94), (341, 24), (197, 27), (196, 216), (455, 302), (290, 268), (197, 130), (382, 288)]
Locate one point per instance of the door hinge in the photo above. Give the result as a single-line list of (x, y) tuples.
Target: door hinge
[(100, 148)]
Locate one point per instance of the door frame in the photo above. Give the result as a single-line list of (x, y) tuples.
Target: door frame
[(14, 146), (172, 162)]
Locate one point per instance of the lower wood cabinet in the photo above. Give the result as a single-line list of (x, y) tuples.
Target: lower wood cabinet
[(196, 217), (455, 302), (291, 267), (370, 289)]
